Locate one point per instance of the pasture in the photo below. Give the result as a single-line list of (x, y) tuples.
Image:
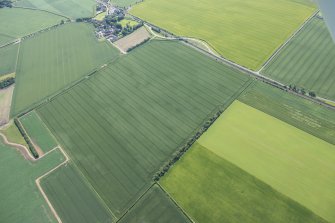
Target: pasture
[(125, 3), (155, 206), (291, 161), (17, 22), (211, 189), (240, 30), (119, 126), (308, 61), (13, 134), (38, 132), (20, 200), (303, 114), (4, 39), (69, 8), (8, 58), (53, 60), (72, 198)]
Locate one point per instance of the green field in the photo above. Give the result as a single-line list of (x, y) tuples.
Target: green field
[(303, 114), (52, 60), (73, 199), (244, 31), (155, 206), (125, 22), (69, 8), (5, 39), (291, 161), (13, 134), (211, 189), (38, 132), (21, 201), (308, 61), (119, 126), (8, 57), (18, 22), (125, 3)]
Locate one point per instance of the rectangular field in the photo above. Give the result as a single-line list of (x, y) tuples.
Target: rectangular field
[(155, 206), (73, 199), (21, 200), (119, 126), (69, 8), (244, 31), (38, 132), (8, 58), (291, 161), (211, 189), (308, 61), (52, 60), (308, 116), (133, 39), (17, 22)]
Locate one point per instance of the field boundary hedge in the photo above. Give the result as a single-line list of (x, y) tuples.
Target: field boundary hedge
[(26, 138)]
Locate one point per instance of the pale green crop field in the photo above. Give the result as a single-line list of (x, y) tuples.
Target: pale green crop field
[(125, 3), (8, 57), (21, 201), (68, 8), (38, 132), (291, 161), (244, 31), (212, 190), (17, 22)]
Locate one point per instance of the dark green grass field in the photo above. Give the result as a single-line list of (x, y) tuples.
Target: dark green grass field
[(303, 114), (17, 22), (211, 189), (69, 8), (308, 61), (155, 206), (38, 132), (120, 125), (21, 201), (52, 60), (73, 199), (8, 57)]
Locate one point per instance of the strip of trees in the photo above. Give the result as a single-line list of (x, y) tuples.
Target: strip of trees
[(26, 138), (7, 82), (5, 3)]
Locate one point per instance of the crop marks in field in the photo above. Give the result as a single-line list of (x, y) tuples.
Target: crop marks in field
[(20, 199), (244, 31), (308, 61), (69, 8), (52, 60), (291, 161), (119, 126), (38, 132), (17, 22), (154, 205), (211, 189), (72, 197)]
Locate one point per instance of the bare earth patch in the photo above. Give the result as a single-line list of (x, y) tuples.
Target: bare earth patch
[(5, 103), (133, 39)]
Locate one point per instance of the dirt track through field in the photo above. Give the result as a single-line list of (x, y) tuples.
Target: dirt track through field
[(22, 149)]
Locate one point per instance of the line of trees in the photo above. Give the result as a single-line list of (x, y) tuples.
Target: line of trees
[(5, 3), (301, 91), (26, 138), (186, 146), (7, 82), (137, 45)]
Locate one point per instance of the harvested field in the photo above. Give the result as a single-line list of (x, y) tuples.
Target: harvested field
[(211, 189), (133, 39), (240, 30), (308, 61), (119, 126), (59, 57), (5, 103), (295, 163)]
